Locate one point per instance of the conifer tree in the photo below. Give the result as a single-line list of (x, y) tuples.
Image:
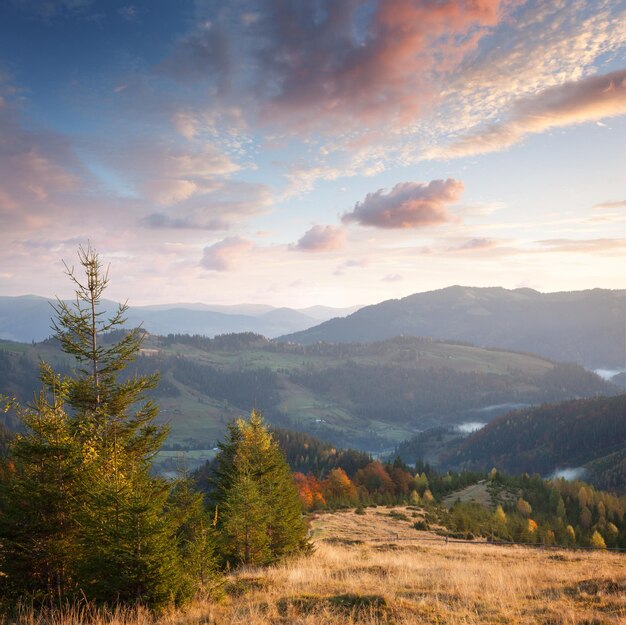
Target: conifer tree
[(128, 551), (195, 536), (38, 501), (260, 519), (98, 521)]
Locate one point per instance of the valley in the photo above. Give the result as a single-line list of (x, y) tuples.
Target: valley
[(366, 396)]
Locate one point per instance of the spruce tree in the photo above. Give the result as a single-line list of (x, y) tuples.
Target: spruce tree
[(128, 547), (259, 512), (195, 536), (38, 500), (98, 521)]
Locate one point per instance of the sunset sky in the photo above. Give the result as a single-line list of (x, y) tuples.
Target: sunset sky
[(300, 152)]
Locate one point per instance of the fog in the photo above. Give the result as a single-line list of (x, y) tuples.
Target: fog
[(576, 473), (470, 426), (608, 374)]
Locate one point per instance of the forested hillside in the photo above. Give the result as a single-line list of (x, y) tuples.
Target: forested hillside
[(367, 396), (588, 434), (586, 327)]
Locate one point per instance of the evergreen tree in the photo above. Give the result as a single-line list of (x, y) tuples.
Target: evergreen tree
[(85, 462), (259, 518), (128, 552), (194, 536), (38, 501)]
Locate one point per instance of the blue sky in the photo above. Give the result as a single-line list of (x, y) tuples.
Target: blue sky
[(324, 151)]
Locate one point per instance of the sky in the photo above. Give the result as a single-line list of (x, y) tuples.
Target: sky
[(302, 152)]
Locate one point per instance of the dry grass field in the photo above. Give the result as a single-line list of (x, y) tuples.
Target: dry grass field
[(376, 569)]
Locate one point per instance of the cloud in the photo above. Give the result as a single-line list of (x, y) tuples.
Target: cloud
[(617, 204), (351, 263), (321, 239), (476, 244), (223, 256), (407, 205), (542, 45), (228, 203), (159, 221), (36, 169), (583, 245), (168, 175), (314, 63), (392, 277), (576, 102)]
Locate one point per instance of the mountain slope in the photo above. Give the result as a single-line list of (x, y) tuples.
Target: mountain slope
[(586, 327), (364, 396), (575, 434)]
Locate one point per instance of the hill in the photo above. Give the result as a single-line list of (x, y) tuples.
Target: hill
[(365, 396), (589, 435), (586, 327), (27, 318)]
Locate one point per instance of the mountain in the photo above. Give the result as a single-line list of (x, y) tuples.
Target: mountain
[(586, 436), (366, 396), (586, 327), (27, 318)]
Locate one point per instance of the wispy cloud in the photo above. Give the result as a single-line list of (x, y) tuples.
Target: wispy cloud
[(583, 245), (476, 244), (587, 100), (614, 204), (407, 205)]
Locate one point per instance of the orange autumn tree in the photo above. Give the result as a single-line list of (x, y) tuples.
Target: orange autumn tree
[(309, 491), (338, 488)]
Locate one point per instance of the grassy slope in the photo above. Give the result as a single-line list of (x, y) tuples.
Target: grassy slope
[(376, 569)]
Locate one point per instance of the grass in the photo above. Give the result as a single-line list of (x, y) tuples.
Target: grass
[(376, 569)]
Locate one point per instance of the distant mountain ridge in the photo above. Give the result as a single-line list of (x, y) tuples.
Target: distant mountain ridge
[(26, 318), (587, 327)]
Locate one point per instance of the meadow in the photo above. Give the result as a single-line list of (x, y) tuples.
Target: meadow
[(375, 569)]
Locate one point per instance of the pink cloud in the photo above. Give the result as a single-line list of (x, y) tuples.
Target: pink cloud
[(223, 256), (36, 169), (321, 239), (315, 63), (407, 205), (576, 102), (616, 204)]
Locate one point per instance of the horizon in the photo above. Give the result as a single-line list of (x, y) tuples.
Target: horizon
[(317, 154), (221, 304)]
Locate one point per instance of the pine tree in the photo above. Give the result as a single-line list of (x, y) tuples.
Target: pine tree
[(260, 518)]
